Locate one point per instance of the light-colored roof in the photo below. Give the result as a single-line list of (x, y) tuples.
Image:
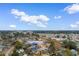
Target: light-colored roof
[(1, 46), (42, 48), (37, 42)]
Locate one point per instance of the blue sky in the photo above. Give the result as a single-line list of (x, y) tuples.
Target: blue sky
[(42, 16)]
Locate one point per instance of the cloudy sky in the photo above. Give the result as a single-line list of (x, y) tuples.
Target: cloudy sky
[(54, 16)]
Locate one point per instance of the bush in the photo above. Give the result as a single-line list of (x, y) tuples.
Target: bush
[(67, 52)]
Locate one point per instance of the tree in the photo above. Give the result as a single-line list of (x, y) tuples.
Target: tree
[(69, 44), (15, 53), (78, 51), (18, 45), (27, 50), (54, 47), (64, 36), (1, 53), (57, 36)]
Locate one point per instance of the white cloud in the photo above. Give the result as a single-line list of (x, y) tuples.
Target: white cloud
[(77, 22), (16, 12), (12, 26), (75, 25), (57, 17), (71, 9), (38, 20)]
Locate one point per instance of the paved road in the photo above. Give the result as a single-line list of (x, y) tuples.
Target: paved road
[(9, 51)]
